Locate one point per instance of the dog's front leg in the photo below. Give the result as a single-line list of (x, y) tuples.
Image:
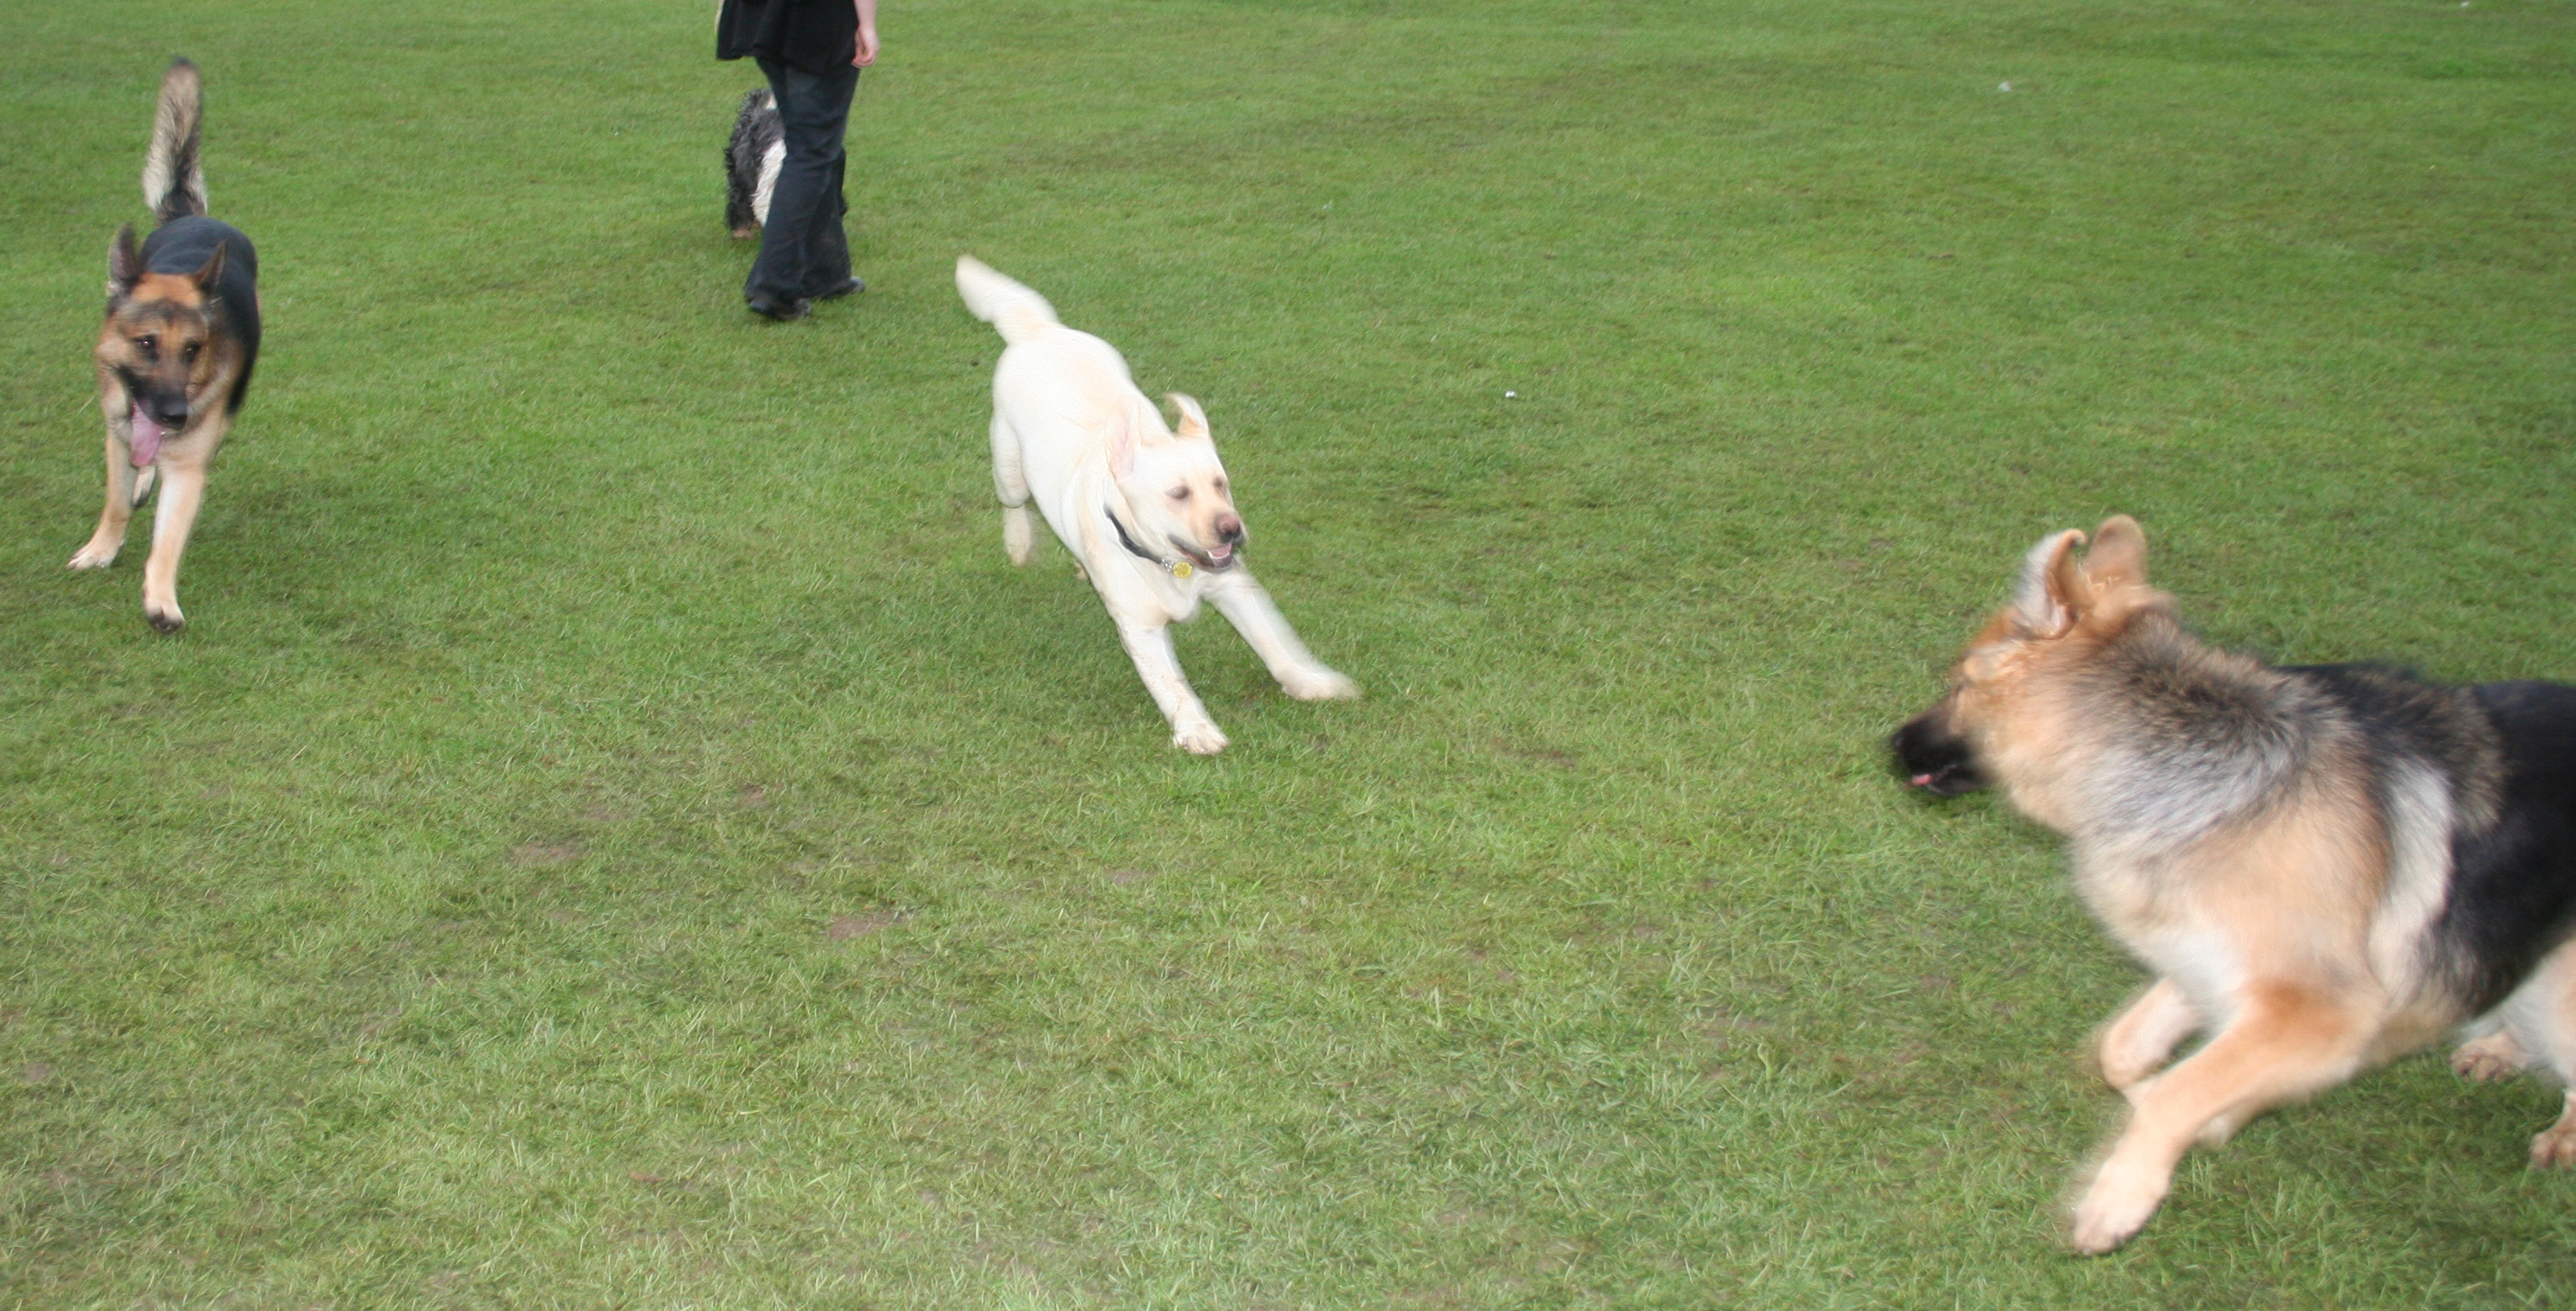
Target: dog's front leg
[(184, 489), (1151, 648), (1300, 674), (109, 538), (2134, 1044), (2286, 1042)]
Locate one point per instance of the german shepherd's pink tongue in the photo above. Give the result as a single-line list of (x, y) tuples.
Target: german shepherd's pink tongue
[(143, 442)]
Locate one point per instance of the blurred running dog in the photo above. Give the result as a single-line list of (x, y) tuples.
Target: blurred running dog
[(752, 160), (175, 355), (2325, 866), (1147, 511)]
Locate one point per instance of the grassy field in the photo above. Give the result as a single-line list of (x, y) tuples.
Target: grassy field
[(617, 832)]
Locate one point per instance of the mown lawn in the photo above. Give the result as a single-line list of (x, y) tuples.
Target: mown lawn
[(617, 832)]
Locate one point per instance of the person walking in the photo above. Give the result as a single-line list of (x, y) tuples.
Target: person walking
[(811, 51)]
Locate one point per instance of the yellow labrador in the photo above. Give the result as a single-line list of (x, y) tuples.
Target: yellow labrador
[(1145, 509)]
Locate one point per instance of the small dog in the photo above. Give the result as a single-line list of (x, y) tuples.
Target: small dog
[(2326, 867), (752, 159), (175, 355), (1146, 510)]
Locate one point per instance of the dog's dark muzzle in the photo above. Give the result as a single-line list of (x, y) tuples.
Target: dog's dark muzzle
[(1931, 758)]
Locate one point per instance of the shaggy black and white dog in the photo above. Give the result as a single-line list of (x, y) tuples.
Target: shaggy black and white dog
[(752, 158)]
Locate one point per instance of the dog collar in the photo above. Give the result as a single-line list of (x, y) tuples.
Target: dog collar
[(1176, 568)]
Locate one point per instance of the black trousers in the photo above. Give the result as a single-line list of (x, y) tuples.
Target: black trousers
[(803, 251)]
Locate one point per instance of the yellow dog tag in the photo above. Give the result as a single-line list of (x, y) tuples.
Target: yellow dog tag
[(1181, 569)]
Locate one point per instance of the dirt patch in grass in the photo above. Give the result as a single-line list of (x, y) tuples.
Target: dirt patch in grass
[(865, 923)]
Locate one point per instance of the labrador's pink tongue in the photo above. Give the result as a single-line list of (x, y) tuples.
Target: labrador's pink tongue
[(143, 440)]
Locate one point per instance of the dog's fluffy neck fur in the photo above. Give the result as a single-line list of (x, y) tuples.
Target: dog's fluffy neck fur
[(2195, 716)]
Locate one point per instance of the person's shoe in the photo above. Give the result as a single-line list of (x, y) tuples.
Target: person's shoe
[(779, 311), (848, 285)]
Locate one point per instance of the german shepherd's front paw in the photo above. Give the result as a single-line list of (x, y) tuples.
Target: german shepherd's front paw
[(2114, 1209), (1199, 737), (96, 555), (2490, 1059), (1318, 684)]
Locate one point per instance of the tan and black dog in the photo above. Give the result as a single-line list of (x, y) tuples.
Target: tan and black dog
[(175, 355), (2325, 867)]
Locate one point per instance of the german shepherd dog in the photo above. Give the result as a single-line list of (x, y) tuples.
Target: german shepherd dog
[(175, 355), (752, 160), (2325, 867)]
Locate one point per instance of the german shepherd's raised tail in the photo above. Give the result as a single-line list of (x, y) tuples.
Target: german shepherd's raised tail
[(175, 355), (2325, 867)]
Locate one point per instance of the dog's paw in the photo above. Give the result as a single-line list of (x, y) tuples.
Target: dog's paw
[(164, 618), (2554, 1148), (2124, 1070), (2114, 1209), (95, 556), (2489, 1059), (1198, 737), (1318, 684), (1019, 536)]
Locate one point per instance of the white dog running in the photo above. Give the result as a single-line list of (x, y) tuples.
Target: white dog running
[(1146, 510)]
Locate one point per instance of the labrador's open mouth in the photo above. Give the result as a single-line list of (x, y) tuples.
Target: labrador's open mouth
[(1216, 561)]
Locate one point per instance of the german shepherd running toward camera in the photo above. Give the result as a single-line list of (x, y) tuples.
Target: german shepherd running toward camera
[(175, 355), (2326, 867)]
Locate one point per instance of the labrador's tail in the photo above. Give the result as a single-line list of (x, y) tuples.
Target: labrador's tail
[(1015, 311)]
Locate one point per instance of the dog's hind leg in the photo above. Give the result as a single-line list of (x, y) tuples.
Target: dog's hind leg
[(2540, 1018), (1248, 608), (2555, 1147), (183, 489), (2286, 1042), (2139, 1040), (109, 537), (1019, 536), (2494, 1057)]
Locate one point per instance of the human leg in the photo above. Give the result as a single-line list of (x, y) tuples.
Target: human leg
[(802, 248)]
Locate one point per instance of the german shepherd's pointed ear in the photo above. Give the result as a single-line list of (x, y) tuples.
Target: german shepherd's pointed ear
[(1193, 424), (2052, 591), (124, 262), (2118, 557), (205, 277)]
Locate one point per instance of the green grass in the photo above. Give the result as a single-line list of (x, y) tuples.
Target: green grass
[(616, 831)]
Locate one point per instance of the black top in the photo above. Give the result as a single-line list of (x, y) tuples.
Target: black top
[(184, 245), (816, 36)]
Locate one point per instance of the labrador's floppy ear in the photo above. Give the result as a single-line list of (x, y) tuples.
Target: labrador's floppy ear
[(1122, 447), (2118, 557), (1193, 424), (2052, 593)]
